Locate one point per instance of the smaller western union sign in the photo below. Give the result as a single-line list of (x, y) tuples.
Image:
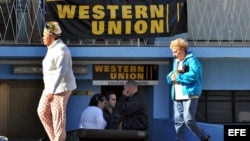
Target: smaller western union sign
[(104, 74)]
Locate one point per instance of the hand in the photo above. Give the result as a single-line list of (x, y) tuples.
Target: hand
[(173, 77), (125, 92), (120, 126), (50, 97)]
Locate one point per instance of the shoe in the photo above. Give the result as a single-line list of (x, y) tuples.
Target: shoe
[(207, 139)]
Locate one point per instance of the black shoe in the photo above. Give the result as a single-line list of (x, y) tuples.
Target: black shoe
[(207, 139)]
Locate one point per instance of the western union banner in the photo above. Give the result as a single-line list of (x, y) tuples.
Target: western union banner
[(118, 74), (101, 19)]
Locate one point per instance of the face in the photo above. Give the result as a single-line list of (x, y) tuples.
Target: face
[(47, 39), (130, 90), (178, 53), (126, 89), (102, 103), (111, 101)]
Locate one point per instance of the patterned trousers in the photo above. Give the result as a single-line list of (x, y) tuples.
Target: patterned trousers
[(53, 115)]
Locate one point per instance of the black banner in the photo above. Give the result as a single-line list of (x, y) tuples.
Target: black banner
[(104, 74), (102, 19)]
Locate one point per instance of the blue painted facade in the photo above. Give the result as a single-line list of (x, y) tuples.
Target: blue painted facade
[(224, 68)]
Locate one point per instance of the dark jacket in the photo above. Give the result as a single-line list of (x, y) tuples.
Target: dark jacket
[(113, 119), (134, 111)]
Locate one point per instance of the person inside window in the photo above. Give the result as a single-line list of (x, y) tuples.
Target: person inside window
[(132, 107), (110, 112), (92, 116)]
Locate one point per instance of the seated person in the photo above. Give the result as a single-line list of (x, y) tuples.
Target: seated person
[(92, 116), (110, 112)]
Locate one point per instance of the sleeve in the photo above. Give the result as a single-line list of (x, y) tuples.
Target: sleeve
[(129, 106), (80, 123), (100, 121), (168, 76)]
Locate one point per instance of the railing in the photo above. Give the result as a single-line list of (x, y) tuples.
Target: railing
[(210, 23), (104, 135), (107, 135), (21, 21), (218, 22)]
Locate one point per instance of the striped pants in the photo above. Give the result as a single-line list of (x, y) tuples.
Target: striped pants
[(53, 115)]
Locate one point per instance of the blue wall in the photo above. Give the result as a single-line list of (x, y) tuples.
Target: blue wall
[(224, 68), (6, 73), (149, 52), (226, 74), (218, 74), (162, 107)]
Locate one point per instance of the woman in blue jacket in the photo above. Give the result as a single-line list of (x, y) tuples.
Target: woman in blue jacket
[(186, 81)]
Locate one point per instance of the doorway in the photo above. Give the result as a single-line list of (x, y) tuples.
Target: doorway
[(21, 109), (116, 89)]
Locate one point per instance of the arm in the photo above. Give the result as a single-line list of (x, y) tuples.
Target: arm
[(169, 79), (130, 105), (169, 76), (100, 121)]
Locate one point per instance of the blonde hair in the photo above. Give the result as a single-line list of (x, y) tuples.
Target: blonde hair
[(179, 42)]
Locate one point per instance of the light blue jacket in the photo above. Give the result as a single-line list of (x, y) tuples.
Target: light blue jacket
[(191, 80)]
